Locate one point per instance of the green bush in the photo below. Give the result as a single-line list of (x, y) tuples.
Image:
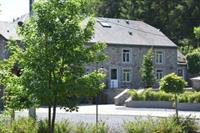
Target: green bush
[(189, 97), (150, 95), (161, 125), (82, 127), (21, 125), (135, 95)]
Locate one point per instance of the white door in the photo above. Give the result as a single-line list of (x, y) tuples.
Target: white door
[(113, 78)]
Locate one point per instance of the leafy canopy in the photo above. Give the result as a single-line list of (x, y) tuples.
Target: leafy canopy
[(172, 83), (193, 59), (53, 56)]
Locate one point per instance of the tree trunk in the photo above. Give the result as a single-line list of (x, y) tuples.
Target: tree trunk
[(176, 102), (54, 114), (12, 115), (49, 119)]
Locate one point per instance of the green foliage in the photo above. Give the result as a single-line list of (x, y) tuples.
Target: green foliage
[(21, 125), (53, 57), (161, 125), (28, 125), (150, 95), (188, 124), (147, 69), (135, 95), (172, 83), (175, 18), (186, 46), (197, 32), (125, 8), (193, 59), (150, 125)]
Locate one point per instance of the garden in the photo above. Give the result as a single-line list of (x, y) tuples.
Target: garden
[(139, 125)]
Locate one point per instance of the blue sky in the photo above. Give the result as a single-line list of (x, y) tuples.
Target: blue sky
[(13, 8)]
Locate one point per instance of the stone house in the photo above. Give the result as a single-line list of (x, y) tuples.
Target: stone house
[(127, 42)]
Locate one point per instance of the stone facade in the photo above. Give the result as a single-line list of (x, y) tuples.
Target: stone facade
[(137, 52), (3, 52)]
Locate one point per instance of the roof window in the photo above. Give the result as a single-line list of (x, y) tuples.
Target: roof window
[(105, 24)]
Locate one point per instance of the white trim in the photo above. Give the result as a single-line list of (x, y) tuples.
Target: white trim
[(115, 81), (130, 55), (130, 75), (163, 73), (163, 57)]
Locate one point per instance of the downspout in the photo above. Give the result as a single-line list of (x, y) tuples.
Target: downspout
[(30, 7)]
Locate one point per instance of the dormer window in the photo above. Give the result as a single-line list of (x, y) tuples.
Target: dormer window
[(126, 56)]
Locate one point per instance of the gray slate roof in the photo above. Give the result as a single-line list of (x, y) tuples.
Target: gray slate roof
[(181, 58), (124, 32), (8, 30), (129, 32)]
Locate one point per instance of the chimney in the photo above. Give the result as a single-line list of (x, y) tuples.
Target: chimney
[(30, 7)]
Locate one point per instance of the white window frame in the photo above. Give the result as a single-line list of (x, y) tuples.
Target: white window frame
[(126, 53), (157, 58), (162, 73), (124, 78)]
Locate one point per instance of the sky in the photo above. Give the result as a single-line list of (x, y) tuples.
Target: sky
[(12, 9)]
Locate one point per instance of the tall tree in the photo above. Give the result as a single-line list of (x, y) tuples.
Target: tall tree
[(54, 57), (176, 18), (147, 70)]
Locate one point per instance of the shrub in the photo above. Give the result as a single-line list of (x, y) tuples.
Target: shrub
[(21, 125), (151, 125), (135, 95), (139, 125), (150, 95), (189, 97), (188, 124), (82, 127), (161, 125)]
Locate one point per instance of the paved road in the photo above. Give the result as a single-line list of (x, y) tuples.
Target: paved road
[(112, 115)]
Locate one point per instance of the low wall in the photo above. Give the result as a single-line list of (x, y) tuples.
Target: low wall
[(189, 106), (162, 104), (149, 104)]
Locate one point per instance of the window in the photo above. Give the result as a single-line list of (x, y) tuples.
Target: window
[(159, 57), (114, 74), (159, 74), (126, 56), (181, 73), (126, 75)]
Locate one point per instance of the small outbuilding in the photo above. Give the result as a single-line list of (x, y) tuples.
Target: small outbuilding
[(196, 83)]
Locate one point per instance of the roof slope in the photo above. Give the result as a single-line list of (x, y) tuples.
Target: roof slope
[(129, 32), (110, 31), (8, 30)]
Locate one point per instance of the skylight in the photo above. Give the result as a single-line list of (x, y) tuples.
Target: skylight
[(105, 24)]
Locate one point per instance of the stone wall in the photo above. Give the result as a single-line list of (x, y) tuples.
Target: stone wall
[(3, 51), (115, 61)]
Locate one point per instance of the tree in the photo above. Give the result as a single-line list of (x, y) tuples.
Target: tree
[(53, 58), (174, 84), (193, 59), (147, 69), (125, 9), (197, 32), (176, 18)]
